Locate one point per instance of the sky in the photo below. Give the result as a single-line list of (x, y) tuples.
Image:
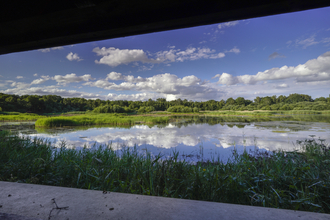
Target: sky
[(273, 55)]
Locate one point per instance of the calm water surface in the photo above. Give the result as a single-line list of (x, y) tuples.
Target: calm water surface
[(195, 138)]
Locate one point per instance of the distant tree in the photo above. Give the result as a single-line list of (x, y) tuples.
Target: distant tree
[(230, 101), (281, 99), (240, 101), (257, 100), (322, 99)]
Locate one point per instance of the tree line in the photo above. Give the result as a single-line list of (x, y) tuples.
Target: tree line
[(57, 104)]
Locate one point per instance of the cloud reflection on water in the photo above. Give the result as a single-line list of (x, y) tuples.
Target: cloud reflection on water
[(195, 139)]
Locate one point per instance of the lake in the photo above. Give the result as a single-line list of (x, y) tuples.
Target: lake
[(194, 138)]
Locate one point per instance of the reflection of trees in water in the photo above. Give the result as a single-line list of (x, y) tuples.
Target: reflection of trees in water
[(211, 120), (292, 122)]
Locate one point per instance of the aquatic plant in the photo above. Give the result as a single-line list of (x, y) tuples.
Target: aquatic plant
[(297, 180), (20, 117), (98, 119)]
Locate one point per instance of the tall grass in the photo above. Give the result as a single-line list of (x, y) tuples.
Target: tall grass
[(241, 113), (268, 113), (98, 119), (20, 117), (296, 180)]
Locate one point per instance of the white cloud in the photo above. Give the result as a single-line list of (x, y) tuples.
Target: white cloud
[(326, 40), (313, 70), (189, 87), (19, 77), (128, 78), (51, 90), (36, 74), (282, 86), (234, 50), (228, 24), (19, 85), (306, 42), (133, 97), (227, 79), (73, 56), (70, 78), (145, 68), (46, 50), (191, 53), (324, 76), (40, 81), (114, 57), (57, 48)]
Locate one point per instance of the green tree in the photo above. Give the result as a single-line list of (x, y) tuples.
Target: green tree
[(240, 101), (230, 101)]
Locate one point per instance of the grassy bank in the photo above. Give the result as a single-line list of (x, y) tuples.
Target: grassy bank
[(98, 119), (268, 113), (296, 180), (88, 118), (16, 116)]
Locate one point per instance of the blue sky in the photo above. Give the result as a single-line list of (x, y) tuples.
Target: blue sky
[(274, 55)]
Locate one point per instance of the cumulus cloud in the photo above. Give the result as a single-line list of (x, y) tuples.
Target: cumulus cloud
[(282, 86), (70, 78), (226, 79), (113, 56), (19, 77), (36, 74), (227, 24), (73, 56), (324, 76), (40, 81), (50, 90), (46, 50), (165, 85), (275, 55), (133, 97), (313, 70), (128, 78)]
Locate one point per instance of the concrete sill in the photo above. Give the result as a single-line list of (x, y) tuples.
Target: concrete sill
[(36, 202)]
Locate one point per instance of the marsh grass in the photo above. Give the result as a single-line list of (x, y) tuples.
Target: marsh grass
[(268, 113), (296, 180), (15, 116), (98, 119)]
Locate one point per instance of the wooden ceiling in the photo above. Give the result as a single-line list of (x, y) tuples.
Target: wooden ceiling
[(29, 25)]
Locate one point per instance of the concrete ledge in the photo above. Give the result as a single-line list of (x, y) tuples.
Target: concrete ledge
[(36, 201)]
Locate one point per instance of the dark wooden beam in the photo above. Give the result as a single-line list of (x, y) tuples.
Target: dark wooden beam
[(31, 25)]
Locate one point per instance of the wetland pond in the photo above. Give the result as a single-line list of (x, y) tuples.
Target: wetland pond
[(195, 138)]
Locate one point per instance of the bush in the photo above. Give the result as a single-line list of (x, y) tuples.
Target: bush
[(144, 109), (182, 109)]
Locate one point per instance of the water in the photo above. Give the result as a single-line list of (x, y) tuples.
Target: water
[(195, 138)]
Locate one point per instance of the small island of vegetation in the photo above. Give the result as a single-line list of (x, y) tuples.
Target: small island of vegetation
[(52, 110)]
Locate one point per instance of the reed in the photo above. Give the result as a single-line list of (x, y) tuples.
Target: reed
[(20, 117), (98, 119), (297, 180)]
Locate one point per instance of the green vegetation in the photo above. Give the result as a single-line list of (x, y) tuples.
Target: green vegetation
[(148, 109), (15, 116), (287, 180), (98, 119), (112, 109), (182, 109), (56, 104)]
